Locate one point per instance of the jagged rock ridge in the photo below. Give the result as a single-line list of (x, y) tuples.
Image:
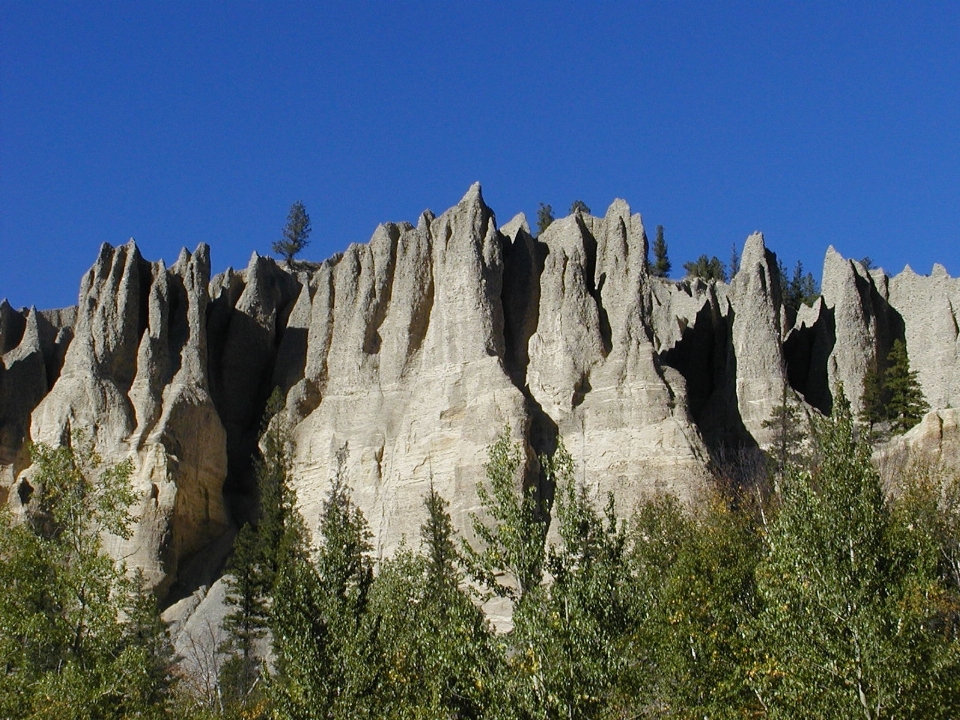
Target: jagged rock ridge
[(412, 352)]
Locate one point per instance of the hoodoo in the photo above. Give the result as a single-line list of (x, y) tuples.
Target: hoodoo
[(401, 360)]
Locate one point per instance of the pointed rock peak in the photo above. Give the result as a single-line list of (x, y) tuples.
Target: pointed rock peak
[(517, 223), (106, 252), (619, 208), (474, 199), (754, 250), (474, 195), (907, 270), (131, 243), (423, 223), (939, 271), (184, 256), (5, 306), (255, 258), (834, 263)]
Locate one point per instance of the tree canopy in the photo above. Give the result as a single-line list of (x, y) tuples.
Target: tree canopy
[(295, 233), (661, 263), (706, 268)]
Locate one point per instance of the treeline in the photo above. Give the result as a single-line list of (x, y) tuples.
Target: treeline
[(795, 589)]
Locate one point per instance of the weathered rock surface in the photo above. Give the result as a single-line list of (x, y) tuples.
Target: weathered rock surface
[(402, 359), (135, 380), (932, 446)]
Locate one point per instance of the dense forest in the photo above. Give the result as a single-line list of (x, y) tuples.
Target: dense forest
[(798, 587)]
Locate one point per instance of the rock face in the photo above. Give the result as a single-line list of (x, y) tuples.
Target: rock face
[(135, 379), (401, 361)]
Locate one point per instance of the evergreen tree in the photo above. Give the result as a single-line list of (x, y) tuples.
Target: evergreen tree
[(906, 406), (707, 269), (325, 640), (570, 648), (257, 556), (440, 657), (661, 263), (734, 260), (295, 233), (579, 206), (787, 425), (544, 218)]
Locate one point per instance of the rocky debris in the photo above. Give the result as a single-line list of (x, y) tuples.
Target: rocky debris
[(402, 359)]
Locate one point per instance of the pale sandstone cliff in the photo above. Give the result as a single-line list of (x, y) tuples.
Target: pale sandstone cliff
[(408, 355)]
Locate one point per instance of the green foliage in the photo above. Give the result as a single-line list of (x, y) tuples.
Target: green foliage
[(569, 650), (295, 233), (579, 206), (788, 427), (698, 629), (892, 395), (79, 637), (707, 269), (734, 260), (440, 657), (325, 640), (544, 218), (844, 627), (513, 530), (800, 289), (906, 406), (661, 263), (257, 558)]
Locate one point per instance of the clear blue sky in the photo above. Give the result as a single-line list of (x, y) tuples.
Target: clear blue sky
[(179, 123)]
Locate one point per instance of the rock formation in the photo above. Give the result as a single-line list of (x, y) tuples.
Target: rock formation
[(402, 359)]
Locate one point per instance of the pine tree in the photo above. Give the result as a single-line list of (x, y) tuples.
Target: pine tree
[(325, 640), (661, 263), (579, 206), (734, 260), (707, 269), (295, 233), (787, 426), (577, 630), (544, 218), (439, 654), (256, 560), (906, 406)]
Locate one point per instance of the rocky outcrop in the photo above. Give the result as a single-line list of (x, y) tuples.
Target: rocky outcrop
[(402, 359), (928, 307), (931, 448), (594, 368), (404, 376), (135, 380)]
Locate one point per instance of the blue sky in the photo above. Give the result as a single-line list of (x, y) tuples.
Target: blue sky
[(180, 123)]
